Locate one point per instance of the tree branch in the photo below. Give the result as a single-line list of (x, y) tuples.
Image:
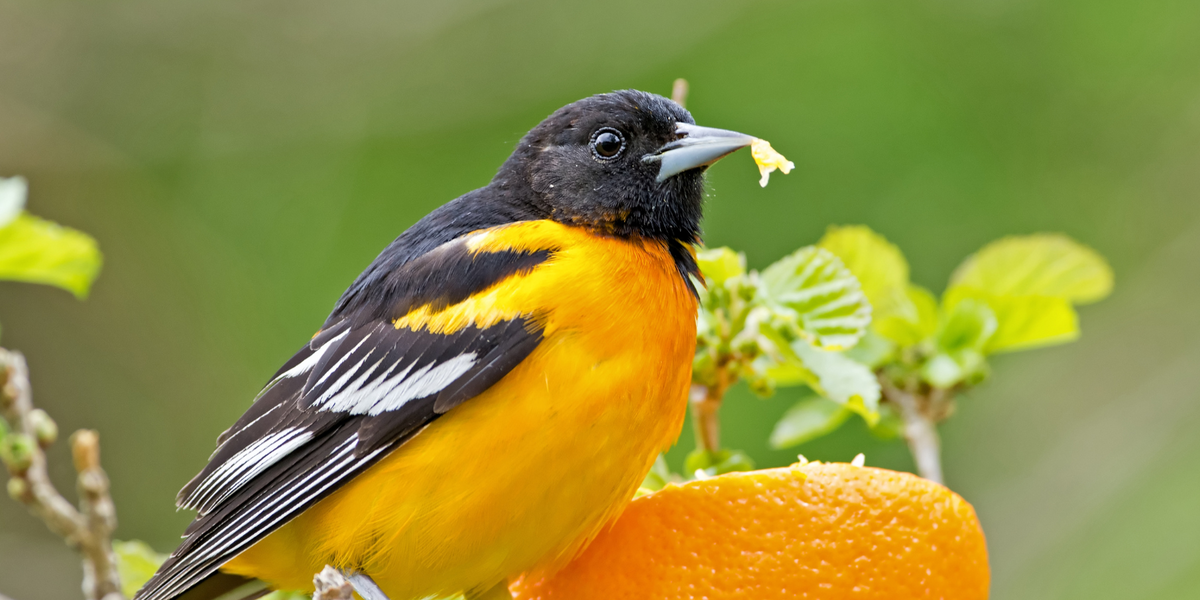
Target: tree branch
[(705, 423), (679, 91), (706, 401), (87, 529), (920, 429)]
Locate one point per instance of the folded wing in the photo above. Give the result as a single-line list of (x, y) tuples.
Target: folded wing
[(359, 390)]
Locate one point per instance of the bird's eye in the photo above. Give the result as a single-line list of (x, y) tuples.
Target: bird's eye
[(607, 143)]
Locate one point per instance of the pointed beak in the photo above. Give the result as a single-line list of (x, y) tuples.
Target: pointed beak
[(700, 147)]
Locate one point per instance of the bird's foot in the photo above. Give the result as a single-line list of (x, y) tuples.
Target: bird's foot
[(365, 586)]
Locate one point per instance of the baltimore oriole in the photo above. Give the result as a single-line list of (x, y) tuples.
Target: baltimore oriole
[(490, 391)]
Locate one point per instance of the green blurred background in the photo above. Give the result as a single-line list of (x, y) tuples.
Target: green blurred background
[(241, 160)]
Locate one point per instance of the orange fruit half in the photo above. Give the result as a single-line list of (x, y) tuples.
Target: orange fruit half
[(807, 531)]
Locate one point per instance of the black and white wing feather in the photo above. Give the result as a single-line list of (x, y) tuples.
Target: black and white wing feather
[(358, 390)]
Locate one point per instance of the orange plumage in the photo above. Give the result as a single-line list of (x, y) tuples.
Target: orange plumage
[(557, 446)]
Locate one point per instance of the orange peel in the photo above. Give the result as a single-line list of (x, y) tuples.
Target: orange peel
[(768, 159), (811, 530)]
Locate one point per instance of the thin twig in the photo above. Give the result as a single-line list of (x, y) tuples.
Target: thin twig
[(920, 430), (705, 423), (706, 401), (99, 513), (330, 584), (679, 91), (88, 529), (941, 403)]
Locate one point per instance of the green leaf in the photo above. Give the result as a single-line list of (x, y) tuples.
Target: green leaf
[(294, 595), (782, 365), (877, 263), (659, 476), (809, 419), (38, 251), (136, 563), (720, 264), (831, 374), (1023, 322), (890, 424), (790, 373), (818, 296), (12, 198), (717, 463), (969, 323), (841, 379), (872, 351), (1030, 283), (908, 316), (1044, 264), (942, 371)]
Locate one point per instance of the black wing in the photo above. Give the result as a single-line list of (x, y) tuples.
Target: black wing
[(358, 390)]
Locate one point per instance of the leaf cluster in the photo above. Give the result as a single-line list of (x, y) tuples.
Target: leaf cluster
[(1016, 293), (784, 326)]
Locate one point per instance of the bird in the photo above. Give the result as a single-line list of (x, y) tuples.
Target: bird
[(489, 392)]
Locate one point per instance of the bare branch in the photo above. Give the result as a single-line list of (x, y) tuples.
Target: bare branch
[(704, 418), (706, 401), (679, 91), (920, 429), (88, 529), (100, 515)]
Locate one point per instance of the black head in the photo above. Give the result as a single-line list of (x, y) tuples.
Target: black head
[(625, 163)]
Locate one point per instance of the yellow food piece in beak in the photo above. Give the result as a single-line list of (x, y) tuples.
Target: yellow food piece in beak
[(768, 160)]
